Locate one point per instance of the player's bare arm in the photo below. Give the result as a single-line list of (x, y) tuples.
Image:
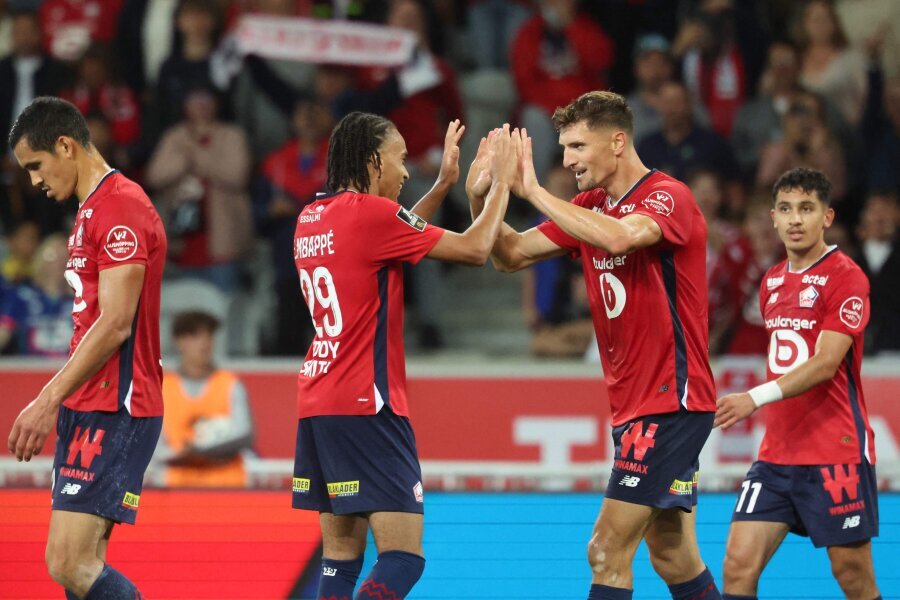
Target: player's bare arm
[(474, 245), (831, 348), (616, 236), (512, 250), (447, 176), (119, 292)]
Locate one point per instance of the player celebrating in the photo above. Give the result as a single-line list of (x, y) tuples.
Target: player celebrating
[(642, 241), (815, 475), (110, 388), (356, 460)]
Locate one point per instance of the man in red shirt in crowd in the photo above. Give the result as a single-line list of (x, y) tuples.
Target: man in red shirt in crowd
[(642, 242), (110, 389), (557, 55), (815, 475)]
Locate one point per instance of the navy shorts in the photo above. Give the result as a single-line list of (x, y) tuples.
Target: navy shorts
[(100, 462), (834, 505), (349, 464), (657, 460)]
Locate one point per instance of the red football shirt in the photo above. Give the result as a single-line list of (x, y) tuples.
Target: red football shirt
[(349, 249), (650, 306), (829, 423), (117, 225)]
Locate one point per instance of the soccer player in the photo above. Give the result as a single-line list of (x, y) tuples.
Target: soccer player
[(816, 470), (356, 461), (106, 401), (642, 242)]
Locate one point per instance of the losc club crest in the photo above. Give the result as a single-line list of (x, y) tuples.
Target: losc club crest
[(661, 202), (808, 297)]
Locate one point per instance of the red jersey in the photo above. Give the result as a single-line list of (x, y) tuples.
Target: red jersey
[(828, 424), (117, 225), (650, 306), (349, 249)]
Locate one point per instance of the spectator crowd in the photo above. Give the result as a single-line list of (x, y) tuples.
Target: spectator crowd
[(726, 96)]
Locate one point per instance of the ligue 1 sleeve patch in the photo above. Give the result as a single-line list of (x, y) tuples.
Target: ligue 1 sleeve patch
[(661, 202), (411, 219), (851, 312), (121, 243)]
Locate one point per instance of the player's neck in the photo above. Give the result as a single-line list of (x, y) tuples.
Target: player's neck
[(630, 171), (91, 170), (798, 261)]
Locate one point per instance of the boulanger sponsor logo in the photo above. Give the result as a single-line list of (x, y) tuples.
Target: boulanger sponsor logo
[(131, 500), (789, 322), (661, 202), (121, 243), (411, 219), (851, 312), (808, 297), (340, 489), (301, 485)]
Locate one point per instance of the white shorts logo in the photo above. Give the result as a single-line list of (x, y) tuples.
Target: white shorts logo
[(851, 312), (630, 481), (121, 243), (851, 522), (70, 489), (613, 293), (787, 350), (419, 492)]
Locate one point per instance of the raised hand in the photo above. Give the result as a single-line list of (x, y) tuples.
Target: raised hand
[(478, 181), (526, 181), (449, 173), (503, 164)]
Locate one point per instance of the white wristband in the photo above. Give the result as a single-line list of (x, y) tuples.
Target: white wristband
[(766, 393)]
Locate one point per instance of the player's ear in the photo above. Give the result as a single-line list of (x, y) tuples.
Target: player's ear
[(829, 217)]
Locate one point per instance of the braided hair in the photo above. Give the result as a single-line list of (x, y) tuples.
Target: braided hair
[(354, 144)]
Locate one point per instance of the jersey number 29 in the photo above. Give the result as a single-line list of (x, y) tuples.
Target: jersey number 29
[(319, 288)]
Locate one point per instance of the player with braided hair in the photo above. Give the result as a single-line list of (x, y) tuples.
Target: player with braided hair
[(356, 460)]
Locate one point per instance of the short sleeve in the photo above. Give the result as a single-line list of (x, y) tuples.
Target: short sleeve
[(847, 303), (397, 234), (672, 207), (120, 232)]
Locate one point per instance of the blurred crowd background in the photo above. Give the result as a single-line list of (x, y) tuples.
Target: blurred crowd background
[(726, 94)]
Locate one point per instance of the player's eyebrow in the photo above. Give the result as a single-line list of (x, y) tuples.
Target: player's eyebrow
[(33, 165)]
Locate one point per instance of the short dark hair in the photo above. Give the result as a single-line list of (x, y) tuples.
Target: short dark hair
[(354, 144), (806, 180), (598, 109), (193, 321), (46, 119)]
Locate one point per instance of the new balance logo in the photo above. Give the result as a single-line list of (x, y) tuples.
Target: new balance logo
[(73, 488), (851, 522), (630, 481), (329, 571)]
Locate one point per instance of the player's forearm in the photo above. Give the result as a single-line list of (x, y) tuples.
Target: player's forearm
[(815, 371), (483, 231), (505, 255), (429, 204), (100, 342), (585, 225)]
